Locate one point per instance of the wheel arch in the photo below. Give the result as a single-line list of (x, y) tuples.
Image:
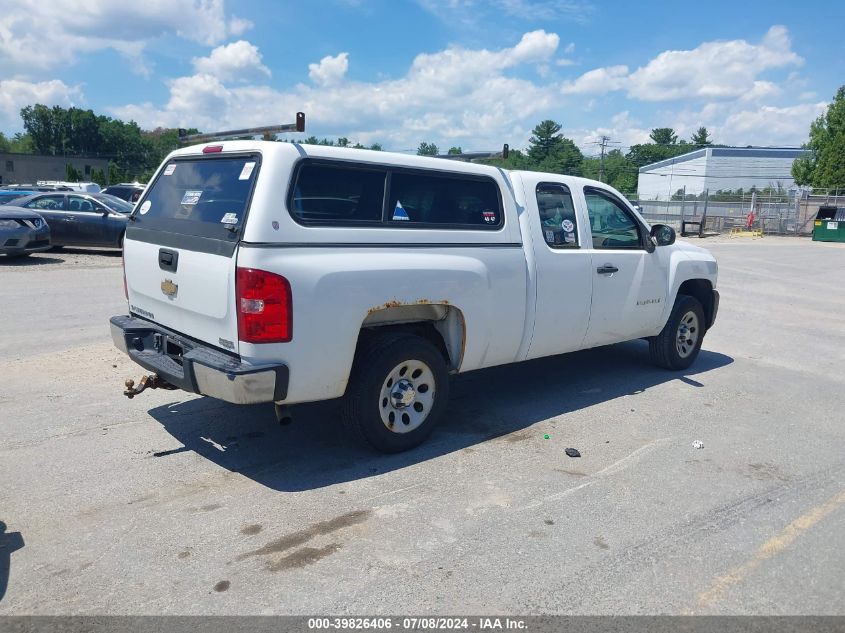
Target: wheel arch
[(701, 289), (440, 323)]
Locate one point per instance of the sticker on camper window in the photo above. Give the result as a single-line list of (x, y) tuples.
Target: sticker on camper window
[(168, 171), (569, 238), (399, 213), (229, 218), (550, 237), (145, 207), (489, 216), (246, 172), (191, 197), (567, 226)]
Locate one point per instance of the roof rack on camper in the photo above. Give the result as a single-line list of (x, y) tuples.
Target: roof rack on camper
[(471, 157), (266, 131)]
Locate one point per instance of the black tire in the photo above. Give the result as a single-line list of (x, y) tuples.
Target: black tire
[(666, 349), (364, 410)]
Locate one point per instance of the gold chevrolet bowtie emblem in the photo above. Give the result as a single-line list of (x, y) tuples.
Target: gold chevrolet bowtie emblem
[(169, 288)]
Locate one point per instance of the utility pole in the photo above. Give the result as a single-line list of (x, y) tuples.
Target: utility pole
[(604, 140)]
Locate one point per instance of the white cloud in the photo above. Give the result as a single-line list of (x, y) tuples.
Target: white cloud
[(330, 70), (769, 125), (32, 32), (570, 48), (713, 70), (598, 81), (624, 131), (474, 98), (238, 60), (456, 96), (15, 94)]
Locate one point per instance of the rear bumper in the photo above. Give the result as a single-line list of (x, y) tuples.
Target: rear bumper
[(195, 367)]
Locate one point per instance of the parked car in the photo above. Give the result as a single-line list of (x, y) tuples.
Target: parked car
[(85, 187), (80, 219), (288, 273), (22, 232), (129, 191), (33, 188)]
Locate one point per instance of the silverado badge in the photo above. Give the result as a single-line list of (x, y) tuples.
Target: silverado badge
[(169, 288)]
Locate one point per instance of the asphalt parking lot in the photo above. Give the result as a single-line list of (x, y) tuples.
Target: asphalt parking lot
[(173, 504)]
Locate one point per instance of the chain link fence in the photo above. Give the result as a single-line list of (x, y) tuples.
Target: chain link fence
[(775, 214)]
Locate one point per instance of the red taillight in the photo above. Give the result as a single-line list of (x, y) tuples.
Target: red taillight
[(265, 306), (211, 149)]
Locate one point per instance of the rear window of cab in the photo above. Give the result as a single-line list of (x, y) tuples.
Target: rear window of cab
[(326, 193), (205, 197)]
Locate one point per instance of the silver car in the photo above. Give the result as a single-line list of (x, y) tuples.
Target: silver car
[(22, 232)]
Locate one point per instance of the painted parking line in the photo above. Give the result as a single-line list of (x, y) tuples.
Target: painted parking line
[(769, 549)]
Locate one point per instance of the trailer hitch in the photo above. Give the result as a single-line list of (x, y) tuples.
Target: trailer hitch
[(153, 381)]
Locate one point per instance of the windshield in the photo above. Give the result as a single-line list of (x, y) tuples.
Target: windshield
[(114, 203), (206, 197)]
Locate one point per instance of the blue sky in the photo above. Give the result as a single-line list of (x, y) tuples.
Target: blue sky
[(471, 73)]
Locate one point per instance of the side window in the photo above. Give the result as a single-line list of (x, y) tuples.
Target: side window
[(49, 203), (337, 194), (78, 203), (612, 225), (460, 202), (557, 215)]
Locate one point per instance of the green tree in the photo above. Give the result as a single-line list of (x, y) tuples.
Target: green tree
[(427, 149), (701, 137), (38, 123), (72, 173), (376, 147), (550, 151), (21, 144), (566, 159), (5, 144), (98, 176), (343, 142), (545, 140), (825, 167), (455, 150), (663, 136)]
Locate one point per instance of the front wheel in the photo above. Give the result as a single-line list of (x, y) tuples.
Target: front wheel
[(678, 344), (397, 392)]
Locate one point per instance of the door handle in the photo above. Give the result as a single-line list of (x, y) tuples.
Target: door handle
[(71, 217), (168, 260), (607, 269)]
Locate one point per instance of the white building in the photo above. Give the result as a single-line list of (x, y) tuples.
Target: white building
[(718, 168)]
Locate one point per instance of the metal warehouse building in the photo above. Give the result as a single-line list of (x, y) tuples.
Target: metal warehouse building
[(718, 168)]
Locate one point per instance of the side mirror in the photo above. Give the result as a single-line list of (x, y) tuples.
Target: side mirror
[(663, 234)]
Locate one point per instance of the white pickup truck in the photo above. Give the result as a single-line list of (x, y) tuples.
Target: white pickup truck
[(284, 273)]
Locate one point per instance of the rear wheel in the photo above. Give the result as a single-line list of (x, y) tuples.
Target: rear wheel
[(678, 344), (397, 392)]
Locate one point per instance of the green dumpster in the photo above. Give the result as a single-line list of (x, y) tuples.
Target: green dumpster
[(829, 225)]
